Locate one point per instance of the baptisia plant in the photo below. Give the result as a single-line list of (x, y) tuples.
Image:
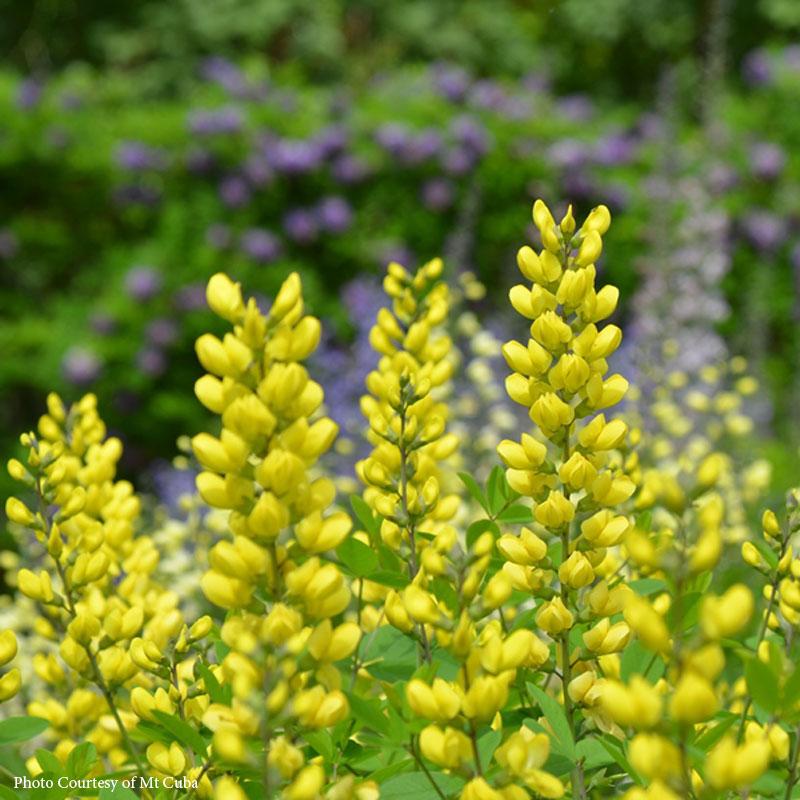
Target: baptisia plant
[(577, 636)]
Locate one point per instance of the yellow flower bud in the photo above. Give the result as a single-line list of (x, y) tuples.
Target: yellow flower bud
[(725, 616), (8, 647), (554, 617), (18, 512), (576, 572), (10, 684), (694, 699), (169, 760)]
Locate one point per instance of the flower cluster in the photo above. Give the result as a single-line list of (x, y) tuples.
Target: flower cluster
[(556, 632), (272, 572)]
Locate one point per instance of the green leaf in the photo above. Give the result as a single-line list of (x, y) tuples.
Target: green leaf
[(554, 714), (395, 580), (637, 659), (594, 755), (791, 690), (394, 654), (487, 744), (496, 490), (357, 556), (723, 723), (321, 741), (182, 732), (369, 712), (364, 515), (517, 514), (21, 729), (7, 794), (614, 748), (81, 760), (384, 773), (217, 692), (474, 490), (762, 685), (48, 762), (647, 586), (417, 786)]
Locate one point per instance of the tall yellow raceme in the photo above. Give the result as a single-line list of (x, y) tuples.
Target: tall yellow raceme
[(405, 474), (273, 574), (100, 605), (407, 420), (568, 465), (689, 632)]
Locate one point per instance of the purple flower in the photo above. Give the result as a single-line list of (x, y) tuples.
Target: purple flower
[(260, 245), (791, 56), (334, 214), (421, 147), (217, 121), (349, 169), (9, 245), (764, 230), (722, 178), (151, 362), (226, 74), (331, 140), (362, 298), (80, 366), (103, 324), (301, 225), (191, 297), (458, 161), (218, 236), (576, 107), (258, 170), (200, 161), (437, 194), (29, 93), (399, 253), (614, 150), (234, 191), (143, 283), (470, 133), (393, 137), (487, 94), (162, 332), (451, 82), (767, 160), (294, 156), (757, 68), (568, 153), (138, 157)]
